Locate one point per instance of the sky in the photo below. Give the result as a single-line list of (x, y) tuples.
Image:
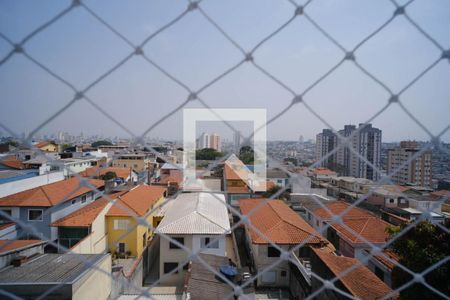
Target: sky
[(80, 49)]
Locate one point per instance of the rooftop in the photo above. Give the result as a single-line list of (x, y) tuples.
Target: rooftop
[(12, 162), (85, 215), (7, 246), (50, 268), (278, 223), (360, 282), (364, 224), (50, 194), (97, 171), (137, 201), (323, 171), (196, 213)]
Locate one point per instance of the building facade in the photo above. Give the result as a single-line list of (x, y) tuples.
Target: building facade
[(416, 170)]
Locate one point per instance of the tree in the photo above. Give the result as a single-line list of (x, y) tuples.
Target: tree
[(273, 190), (419, 248), (246, 155), (101, 143), (108, 176), (207, 154), (292, 160)]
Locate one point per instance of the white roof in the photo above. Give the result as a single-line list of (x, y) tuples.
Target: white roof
[(196, 213)]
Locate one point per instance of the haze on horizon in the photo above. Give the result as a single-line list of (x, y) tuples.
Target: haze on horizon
[(80, 49)]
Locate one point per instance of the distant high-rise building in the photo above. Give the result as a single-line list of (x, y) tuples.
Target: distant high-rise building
[(366, 146), (417, 171), (326, 141), (214, 142), (209, 141), (203, 141), (237, 141), (301, 139)]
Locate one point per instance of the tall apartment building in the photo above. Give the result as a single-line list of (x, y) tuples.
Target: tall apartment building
[(209, 141), (326, 141), (366, 142), (237, 141), (417, 171)]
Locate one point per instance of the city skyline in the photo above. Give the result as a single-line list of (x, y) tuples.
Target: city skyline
[(137, 95)]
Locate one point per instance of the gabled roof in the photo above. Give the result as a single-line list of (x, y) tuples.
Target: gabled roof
[(16, 245), (137, 201), (12, 162), (360, 282), (97, 171), (323, 171), (364, 224), (278, 223), (196, 213), (43, 144), (50, 194), (85, 215)]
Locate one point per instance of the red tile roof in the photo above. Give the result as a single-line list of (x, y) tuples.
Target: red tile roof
[(43, 144), (364, 224), (97, 171), (11, 245), (50, 194), (382, 259), (86, 215), (440, 194), (12, 162), (323, 171), (6, 225), (278, 223), (137, 201), (360, 282)]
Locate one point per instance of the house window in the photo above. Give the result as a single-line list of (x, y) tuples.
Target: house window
[(83, 199), (120, 224), (5, 219), (379, 273), (122, 247), (391, 200), (273, 252), (175, 246), (73, 201), (205, 241), (283, 273), (35, 215), (170, 266), (186, 266)]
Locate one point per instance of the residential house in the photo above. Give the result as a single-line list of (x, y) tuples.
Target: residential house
[(11, 250), (171, 175), (357, 231), (139, 162), (85, 231), (125, 234), (321, 174), (359, 283), (40, 206), (388, 196), (71, 166), (11, 162), (47, 146), (125, 174), (382, 264), (277, 228), (240, 182), (199, 222), (277, 177), (60, 276)]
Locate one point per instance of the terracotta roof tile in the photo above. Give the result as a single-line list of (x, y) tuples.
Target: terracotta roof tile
[(10, 245), (50, 194), (364, 224), (360, 282), (97, 171), (278, 223), (6, 225), (323, 171), (85, 215), (137, 201), (12, 162)]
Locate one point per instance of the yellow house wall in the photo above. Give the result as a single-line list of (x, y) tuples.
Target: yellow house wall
[(133, 239), (49, 148), (122, 236)]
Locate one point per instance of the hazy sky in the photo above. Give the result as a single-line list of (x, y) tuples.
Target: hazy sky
[(80, 49)]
